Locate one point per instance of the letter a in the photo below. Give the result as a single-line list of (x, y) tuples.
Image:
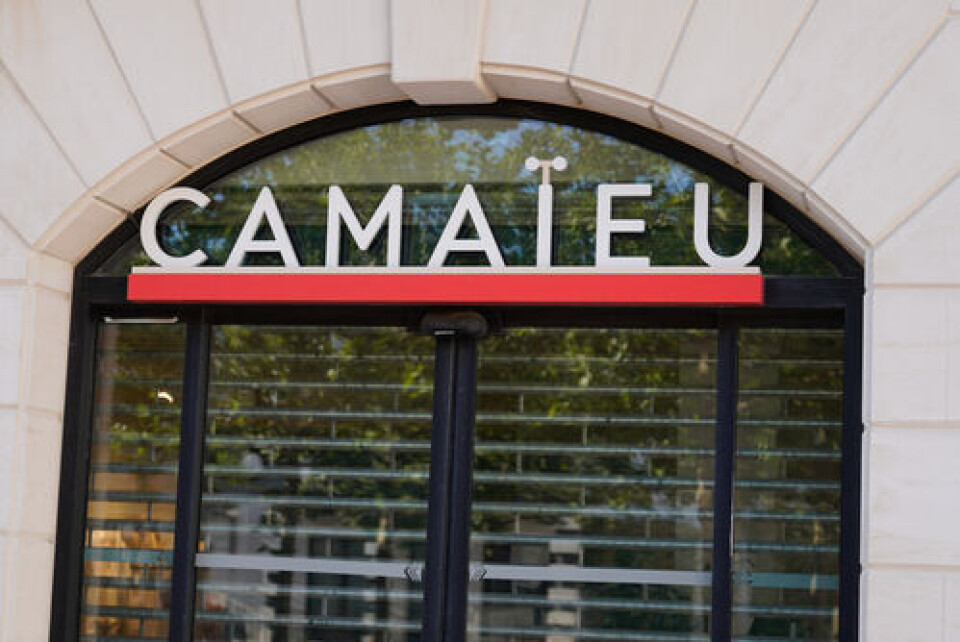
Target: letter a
[(467, 204), (265, 207)]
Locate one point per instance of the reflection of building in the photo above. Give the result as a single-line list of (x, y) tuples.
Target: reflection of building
[(846, 112)]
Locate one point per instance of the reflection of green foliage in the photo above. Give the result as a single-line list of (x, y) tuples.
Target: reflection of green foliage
[(343, 414), (433, 158), (275, 390)]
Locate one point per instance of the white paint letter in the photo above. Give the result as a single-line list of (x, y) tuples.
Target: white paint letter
[(701, 226), (607, 226), (390, 209), (265, 207), (545, 205), (148, 227), (467, 204)]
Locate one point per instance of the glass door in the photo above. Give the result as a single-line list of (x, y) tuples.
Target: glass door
[(377, 484), (314, 498), (593, 485), (590, 470)]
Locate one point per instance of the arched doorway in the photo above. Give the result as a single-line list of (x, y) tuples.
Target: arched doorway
[(548, 471)]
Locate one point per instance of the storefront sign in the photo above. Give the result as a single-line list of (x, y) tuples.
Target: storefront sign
[(614, 280)]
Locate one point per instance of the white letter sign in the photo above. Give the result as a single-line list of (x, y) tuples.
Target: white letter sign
[(265, 207), (390, 209), (607, 226), (616, 278), (148, 227), (545, 205), (701, 225), (467, 204)]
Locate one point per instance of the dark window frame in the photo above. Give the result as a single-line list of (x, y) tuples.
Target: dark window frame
[(789, 302)]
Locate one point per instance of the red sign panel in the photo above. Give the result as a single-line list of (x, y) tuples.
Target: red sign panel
[(707, 288)]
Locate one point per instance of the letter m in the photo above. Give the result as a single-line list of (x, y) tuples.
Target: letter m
[(390, 208)]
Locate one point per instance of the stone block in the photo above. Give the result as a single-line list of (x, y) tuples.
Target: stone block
[(903, 606), (258, 46), (163, 51), (360, 88), (912, 494), (50, 272), (909, 358), (342, 36), (37, 471), (541, 34), (13, 254), (283, 108), (436, 50), (615, 102), (842, 60), (904, 148), (37, 182), (12, 303), (924, 249), (627, 44), (47, 347), (208, 139), (77, 231), (138, 180), (55, 51), (525, 83), (725, 57), (26, 613)]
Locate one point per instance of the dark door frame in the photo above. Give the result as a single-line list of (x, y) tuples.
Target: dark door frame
[(789, 302)]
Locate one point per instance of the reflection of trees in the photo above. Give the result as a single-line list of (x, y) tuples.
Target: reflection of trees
[(340, 418), (433, 158), (287, 384), (130, 516), (351, 393), (791, 382), (613, 408)]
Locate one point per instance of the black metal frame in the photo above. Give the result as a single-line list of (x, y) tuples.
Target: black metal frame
[(793, 302), (189, 476), (724, 463)]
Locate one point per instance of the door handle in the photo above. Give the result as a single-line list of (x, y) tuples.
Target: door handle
[(477, 572), (414, 572)]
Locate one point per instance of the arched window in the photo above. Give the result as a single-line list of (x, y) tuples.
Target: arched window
[(242, 468)]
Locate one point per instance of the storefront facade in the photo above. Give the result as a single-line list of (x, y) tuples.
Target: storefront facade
[(397, 357)]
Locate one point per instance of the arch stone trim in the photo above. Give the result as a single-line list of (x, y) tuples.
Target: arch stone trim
[(101, 209)]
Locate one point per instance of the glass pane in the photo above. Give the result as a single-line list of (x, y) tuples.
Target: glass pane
[(132, 487), (593, 485), (433, 158), (787, 493), (315, 484)]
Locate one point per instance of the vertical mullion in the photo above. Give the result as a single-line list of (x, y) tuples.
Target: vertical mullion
[(458, 556), (189, 470), (441, 470), (726, 444), (74, 473), (851, 454)]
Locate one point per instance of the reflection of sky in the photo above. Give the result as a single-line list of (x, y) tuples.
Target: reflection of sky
[(433, 158), (500, 142)]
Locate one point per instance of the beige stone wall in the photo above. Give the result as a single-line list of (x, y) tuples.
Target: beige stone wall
[(848, 108)]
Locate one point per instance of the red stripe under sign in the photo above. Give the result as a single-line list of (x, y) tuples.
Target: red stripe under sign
[(700, 288)]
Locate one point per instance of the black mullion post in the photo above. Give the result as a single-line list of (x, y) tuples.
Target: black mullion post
[(446, 571), (851, 447), (74, 472), (461, 487), (192, 426), (726, 445), (441, 470)]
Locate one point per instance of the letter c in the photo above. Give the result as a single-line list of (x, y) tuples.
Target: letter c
[(148, 227)]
